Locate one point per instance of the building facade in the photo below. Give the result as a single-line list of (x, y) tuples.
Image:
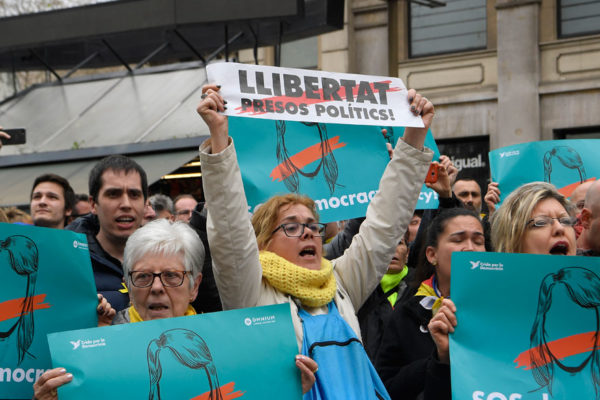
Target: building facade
[(512, 71)]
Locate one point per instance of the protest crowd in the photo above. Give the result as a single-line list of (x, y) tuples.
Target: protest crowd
[(378, 287)]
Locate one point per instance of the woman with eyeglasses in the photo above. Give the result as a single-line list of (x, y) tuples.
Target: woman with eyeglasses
[(278, 256), (162, 266), (535, 218)]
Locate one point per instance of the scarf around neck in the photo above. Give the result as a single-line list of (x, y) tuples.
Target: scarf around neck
[(431, 300), (134, 316), (313, 288), (389, 281)]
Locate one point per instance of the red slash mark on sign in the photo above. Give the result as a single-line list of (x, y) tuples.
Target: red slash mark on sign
[(567, 191), (13, 308), (561, 348), (227, 393), (305, 157)]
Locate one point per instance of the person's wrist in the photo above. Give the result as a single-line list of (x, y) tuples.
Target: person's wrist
[(420, 147), (445, 194)]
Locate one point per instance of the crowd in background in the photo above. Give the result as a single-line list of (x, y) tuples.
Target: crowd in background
[(384, 279)]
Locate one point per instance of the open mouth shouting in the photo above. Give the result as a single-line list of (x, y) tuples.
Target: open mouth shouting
[(560, 248), (125, 221), (308, 252)]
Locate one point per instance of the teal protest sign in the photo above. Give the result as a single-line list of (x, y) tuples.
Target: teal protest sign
[(247, 353), (47, 286), (564, 163), (338, 166), (528, 327)]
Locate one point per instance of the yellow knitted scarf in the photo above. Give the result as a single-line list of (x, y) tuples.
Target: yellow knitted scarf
[(312, 288), (134, 316)]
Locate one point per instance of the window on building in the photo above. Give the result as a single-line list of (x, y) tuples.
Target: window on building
[(303, 53), (458, 26), (588, 132), (578, 17)]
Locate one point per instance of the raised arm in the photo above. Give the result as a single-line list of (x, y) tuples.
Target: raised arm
[(419, 105), (492, 197), (231, 238), (366, 260), (212, 103)]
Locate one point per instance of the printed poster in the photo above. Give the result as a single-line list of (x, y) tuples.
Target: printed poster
[(47, 286), (247, 354), (275, 93), (528, 327), (564, 163), (338, 166)]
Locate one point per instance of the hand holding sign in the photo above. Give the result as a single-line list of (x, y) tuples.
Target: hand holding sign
[(45, 387), (105, 311), (308, 368), (419, 105), (210, 107), (212, 103), (443, 323)]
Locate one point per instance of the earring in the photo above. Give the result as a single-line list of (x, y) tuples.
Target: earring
[(434, 263)]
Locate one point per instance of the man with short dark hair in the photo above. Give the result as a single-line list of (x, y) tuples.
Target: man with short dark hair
[(51, 201), (468, 191), (118, 190), (82, 207)]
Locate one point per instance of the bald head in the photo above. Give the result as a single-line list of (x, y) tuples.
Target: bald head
[(592, 196), (590, 219), (578, 195)]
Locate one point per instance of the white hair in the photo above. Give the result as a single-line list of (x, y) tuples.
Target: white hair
[(162, 237)]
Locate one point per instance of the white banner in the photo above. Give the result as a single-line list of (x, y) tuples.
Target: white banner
[(305, 95)]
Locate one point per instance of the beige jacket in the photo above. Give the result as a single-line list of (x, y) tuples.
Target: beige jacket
[(234, 250)]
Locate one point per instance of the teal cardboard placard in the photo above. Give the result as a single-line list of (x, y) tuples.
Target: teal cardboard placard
[(564, 163), (247, 353), (527, 327), (338, 166), (47, 286)]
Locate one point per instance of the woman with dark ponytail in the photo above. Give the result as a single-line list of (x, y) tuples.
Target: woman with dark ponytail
[(414, 359)]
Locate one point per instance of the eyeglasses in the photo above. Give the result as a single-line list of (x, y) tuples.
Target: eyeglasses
[(144, 279), (296, 229), (541, 222)]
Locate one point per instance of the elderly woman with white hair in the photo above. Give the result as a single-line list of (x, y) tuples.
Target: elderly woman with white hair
[(162, 266)]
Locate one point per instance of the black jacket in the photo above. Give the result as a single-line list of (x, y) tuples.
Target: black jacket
[(375, 313), (342, 240), (108, 271), (208, 299), (407, 360)]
